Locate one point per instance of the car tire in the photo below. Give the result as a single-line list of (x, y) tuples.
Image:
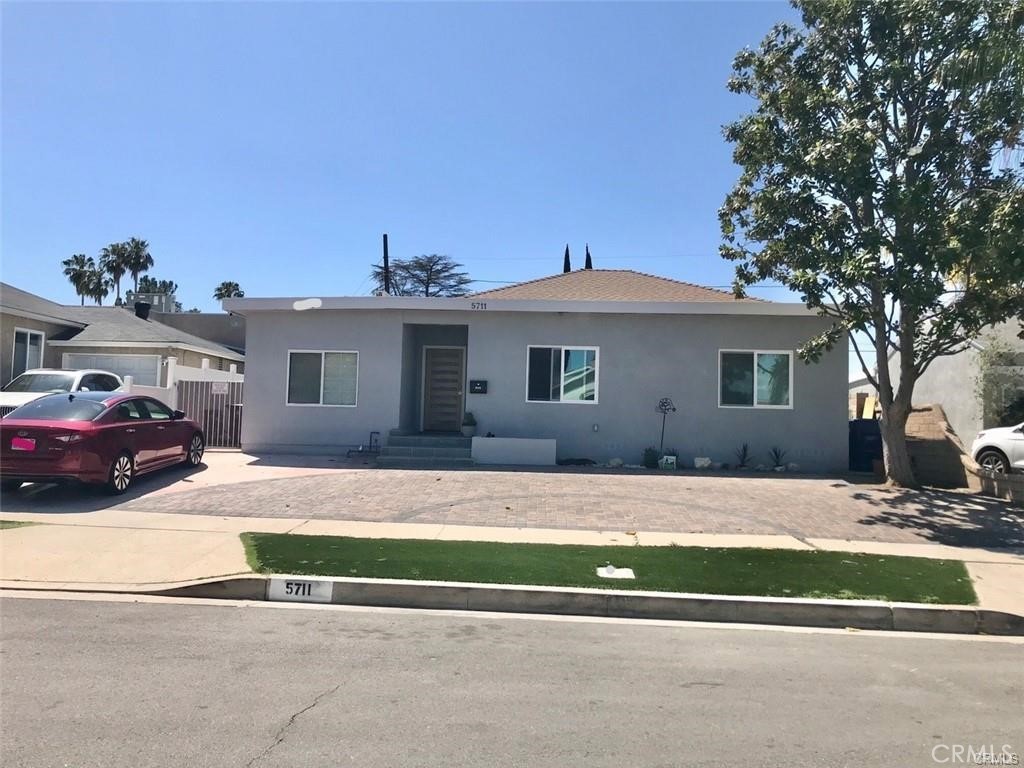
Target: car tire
[(994, 460), (194, 450), (122, 473), (10, 485)]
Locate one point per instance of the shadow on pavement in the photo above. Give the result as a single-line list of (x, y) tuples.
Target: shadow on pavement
[(69, 498), (946, 517)]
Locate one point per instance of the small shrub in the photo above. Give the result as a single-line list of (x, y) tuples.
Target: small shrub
[(651, 457), (778, 456), (742, 456)]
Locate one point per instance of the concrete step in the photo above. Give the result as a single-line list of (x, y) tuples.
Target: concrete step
[(422, 462), (429, 441), (422, 451)]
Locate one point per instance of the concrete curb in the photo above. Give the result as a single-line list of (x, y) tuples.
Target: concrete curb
[(800, 612)]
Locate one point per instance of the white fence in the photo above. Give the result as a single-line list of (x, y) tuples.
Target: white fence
[(175, 373), (166, 395)]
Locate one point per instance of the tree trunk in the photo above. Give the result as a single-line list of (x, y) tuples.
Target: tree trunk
[(898, 470)]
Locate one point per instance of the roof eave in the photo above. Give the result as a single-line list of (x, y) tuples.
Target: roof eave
[(6, 309), (247, 306)]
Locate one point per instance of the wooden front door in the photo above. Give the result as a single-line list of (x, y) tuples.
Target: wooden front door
[(444, 373)]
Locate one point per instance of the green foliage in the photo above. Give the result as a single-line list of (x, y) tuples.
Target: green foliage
[(228, 290), (138, 259), (742, 455), (651, 457), (433, 275), (149, 284), (114, 261), (999, 383), (878, 176), (78, 270), (778, 456)]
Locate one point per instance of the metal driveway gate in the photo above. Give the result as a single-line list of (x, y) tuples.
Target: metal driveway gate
[(217, 406)]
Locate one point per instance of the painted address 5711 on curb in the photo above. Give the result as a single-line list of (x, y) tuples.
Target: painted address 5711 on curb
[(299, 590)]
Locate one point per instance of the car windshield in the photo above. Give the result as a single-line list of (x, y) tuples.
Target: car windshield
[(68, 408), (41, 382)]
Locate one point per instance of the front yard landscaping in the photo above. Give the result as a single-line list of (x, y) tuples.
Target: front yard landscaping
[(13, 524), (718, 571)]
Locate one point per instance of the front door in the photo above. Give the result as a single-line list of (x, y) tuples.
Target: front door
[(444, 373)]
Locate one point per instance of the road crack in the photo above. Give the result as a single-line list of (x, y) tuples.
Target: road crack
[(279, 736)]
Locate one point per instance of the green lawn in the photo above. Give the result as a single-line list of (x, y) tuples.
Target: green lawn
[(769, 572), (12, 524)]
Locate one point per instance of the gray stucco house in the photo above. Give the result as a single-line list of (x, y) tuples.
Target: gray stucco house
[(580, 358)]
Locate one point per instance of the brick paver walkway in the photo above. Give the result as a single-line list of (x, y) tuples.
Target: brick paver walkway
[(612, 501)]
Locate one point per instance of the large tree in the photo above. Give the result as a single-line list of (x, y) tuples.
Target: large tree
[(139, 259), (98, 285), (114, 260), (433, 275), (149, 284), (879, 181), (228, 290), (78, 270)]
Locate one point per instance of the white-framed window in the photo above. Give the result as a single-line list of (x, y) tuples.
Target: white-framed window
[(751, 378), (28, 351), (562, 374), (322, 377)]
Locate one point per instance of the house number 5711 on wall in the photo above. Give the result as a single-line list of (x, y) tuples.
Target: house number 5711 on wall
[(478, 305)]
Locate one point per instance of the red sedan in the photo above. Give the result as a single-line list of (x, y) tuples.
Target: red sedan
[(95, 437)]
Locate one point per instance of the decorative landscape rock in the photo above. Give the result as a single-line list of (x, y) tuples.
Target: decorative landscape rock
[(792, 466), (702, 462), (615, 462)]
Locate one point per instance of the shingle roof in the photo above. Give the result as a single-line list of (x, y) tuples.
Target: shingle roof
[(14, 300), (608, 285), (110, 325)]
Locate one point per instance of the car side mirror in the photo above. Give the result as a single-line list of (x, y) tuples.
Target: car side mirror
[(178, 415)]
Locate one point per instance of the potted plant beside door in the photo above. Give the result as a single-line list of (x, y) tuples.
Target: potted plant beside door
[(468, 425)]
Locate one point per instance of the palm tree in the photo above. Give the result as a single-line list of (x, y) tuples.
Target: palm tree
[(139, 259), (114, 261), (98, 285), (228, 290), (76, 270)]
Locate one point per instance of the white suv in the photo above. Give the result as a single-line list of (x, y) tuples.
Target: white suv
[(44, 381), (1000, 449)]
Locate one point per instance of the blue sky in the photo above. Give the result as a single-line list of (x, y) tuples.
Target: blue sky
[(273, 143)]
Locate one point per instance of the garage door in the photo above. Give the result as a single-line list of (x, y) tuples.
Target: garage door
[(144, 369)]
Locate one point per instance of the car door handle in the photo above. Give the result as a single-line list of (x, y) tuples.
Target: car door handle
[(130, 429), (161, 427)]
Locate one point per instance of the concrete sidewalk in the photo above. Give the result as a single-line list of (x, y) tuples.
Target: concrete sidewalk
[(123, 550)]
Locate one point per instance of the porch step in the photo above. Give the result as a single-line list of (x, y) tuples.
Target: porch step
[(422, 462), (426, 452), (429, 441)]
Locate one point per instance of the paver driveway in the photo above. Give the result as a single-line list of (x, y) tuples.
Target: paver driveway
[(616, 501), (591, 499)]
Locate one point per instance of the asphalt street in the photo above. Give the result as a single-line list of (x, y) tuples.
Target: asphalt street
[(96, 683)]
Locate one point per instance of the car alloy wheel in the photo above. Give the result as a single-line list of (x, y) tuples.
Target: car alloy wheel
[(195, 451), (993, 462), (121, 473)]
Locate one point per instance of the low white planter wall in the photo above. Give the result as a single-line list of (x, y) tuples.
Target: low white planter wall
[(524, 451)]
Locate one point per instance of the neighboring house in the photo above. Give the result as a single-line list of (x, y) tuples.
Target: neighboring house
[(227, 330), (951, 382), (582, 357), (36, 332)]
